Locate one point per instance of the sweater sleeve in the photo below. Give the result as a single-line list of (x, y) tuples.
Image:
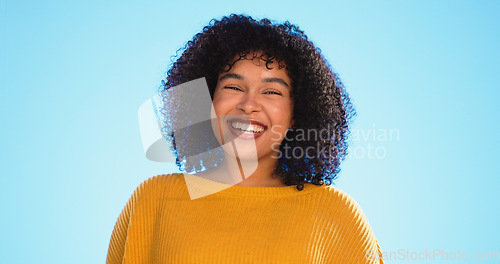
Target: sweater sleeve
[(368, 250), (355, 241), (374, 253), (116, 250)]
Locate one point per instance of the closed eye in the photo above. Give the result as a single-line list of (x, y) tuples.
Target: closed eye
[(232, 88), (272, 92)]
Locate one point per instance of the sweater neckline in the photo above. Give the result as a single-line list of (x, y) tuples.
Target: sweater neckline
[(206, 186)]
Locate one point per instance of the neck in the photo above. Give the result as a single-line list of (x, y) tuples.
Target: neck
[(263, 176), (246, 173)]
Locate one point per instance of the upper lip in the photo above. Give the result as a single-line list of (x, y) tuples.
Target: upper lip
[(247, 121)]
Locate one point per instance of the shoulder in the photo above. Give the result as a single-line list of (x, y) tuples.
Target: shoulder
[(347, 218), (164, 185), (330, 196), (344, 207), (161, 181)]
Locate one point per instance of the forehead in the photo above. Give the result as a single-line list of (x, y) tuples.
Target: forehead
[(258, 58), (256, 70)]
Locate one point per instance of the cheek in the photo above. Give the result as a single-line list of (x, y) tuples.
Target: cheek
[(217, 103), (283, 113), (216, 123), (221, 99)]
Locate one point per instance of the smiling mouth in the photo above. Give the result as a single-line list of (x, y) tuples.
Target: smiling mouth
[(247, 126)]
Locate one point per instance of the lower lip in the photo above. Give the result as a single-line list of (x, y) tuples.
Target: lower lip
[(243, 135)]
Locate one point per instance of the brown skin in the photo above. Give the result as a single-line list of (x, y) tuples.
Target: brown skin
[(253, 91)]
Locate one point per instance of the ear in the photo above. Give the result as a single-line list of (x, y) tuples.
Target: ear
[(292, 123)]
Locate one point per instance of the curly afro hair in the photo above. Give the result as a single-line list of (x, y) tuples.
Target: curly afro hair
[(321, 104)]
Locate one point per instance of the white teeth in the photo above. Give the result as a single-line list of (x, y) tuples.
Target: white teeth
[(246, 127)]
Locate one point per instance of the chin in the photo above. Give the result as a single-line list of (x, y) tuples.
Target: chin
[(245, 150)]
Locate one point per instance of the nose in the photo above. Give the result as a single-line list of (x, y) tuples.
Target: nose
[(249, 103)]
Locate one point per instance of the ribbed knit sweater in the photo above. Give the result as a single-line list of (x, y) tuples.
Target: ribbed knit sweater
[(320, 224)]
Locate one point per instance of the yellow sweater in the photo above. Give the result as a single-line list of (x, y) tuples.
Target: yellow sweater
[(320, 224)]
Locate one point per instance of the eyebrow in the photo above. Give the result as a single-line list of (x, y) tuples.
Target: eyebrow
[(265, 80)]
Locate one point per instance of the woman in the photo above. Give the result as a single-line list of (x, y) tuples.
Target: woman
[(281, 119)]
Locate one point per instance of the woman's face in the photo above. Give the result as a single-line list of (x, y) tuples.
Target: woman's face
[(254, 107)]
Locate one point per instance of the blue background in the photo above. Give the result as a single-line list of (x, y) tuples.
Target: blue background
[(74, 73)]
